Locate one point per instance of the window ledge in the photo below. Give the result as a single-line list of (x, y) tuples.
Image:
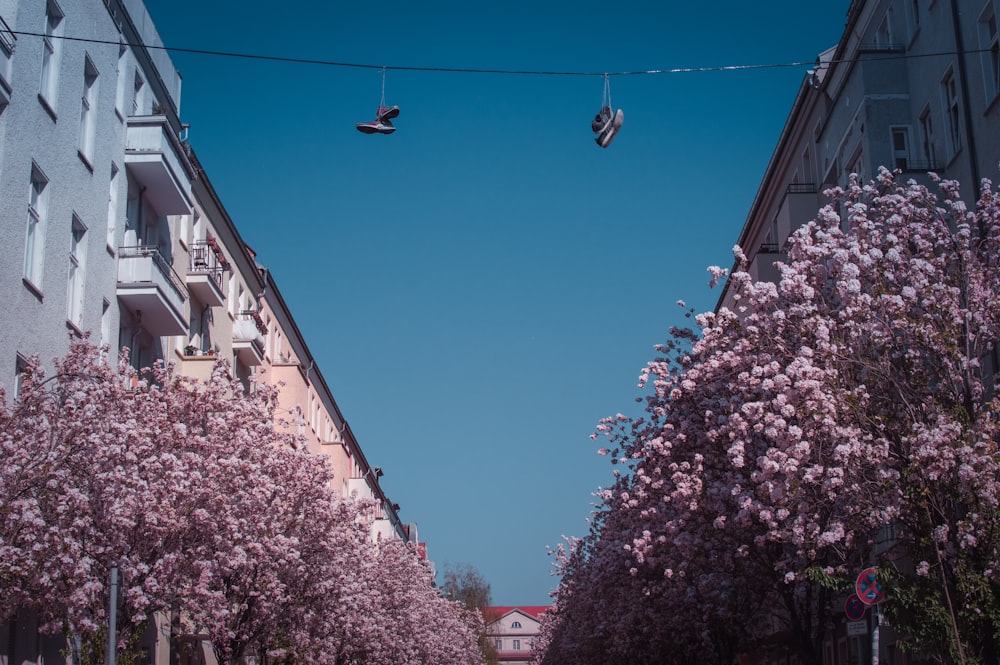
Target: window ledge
[(74, 329), (86, 161), (48, 107), (34, 289)]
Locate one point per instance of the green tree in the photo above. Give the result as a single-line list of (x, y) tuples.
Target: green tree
[(466, 585)]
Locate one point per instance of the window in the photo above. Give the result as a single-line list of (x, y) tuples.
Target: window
[(900, 147), (516, 624), (51, 50), (883, 36), (19, 366), (807, 173), (77, 270), (949, 98), (516, 645), (113, 206), (913, 17), (106, 325), (927, 138), (121, 71), (88, 111), (34, 244), (499, 645), (137, 89), (990, 46)]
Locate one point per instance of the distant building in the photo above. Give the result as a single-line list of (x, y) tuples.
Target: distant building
[(513, 630)]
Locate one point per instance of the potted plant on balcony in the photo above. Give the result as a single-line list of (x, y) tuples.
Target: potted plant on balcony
[(189, 350)]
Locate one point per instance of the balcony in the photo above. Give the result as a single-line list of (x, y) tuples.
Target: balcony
[(150, 288), (157, 160), (248, 339), (799, 206), (206, 273)]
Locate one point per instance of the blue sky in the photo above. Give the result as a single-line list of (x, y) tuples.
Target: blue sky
[(483, 285)]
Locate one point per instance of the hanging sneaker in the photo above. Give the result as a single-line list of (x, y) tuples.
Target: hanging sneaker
[(609, 133), (601, 120), (379, 126), (387, 112)]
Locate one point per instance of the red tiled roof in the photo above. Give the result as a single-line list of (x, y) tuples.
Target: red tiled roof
[(533, 611)]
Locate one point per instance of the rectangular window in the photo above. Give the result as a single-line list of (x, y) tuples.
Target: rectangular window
[(913, 17), (121, 71), (949, 99), (517, 645), (19, 366), (34, 244), (77, 270), (990, 47), (883, 36), (113, 192), (106, 325), (51, 50), (900, 147), (88, 111), (499, 645), (137, 93), (927, 138)]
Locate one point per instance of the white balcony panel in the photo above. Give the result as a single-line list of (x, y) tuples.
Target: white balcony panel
[(248, 343), (150, 292), (205, 287), (156, 159)]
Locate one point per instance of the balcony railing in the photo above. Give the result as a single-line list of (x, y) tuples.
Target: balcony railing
[(206, 274), (148, 286)]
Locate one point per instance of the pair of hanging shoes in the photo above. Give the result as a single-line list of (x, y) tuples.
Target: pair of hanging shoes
[(383, 121), (606, 125)]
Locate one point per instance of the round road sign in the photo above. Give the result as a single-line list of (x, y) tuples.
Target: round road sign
[(854, 608), (869, 591)]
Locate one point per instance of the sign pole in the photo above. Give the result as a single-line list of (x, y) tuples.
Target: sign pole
[(113, 618), (876, 620)]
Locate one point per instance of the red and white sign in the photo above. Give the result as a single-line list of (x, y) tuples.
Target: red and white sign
[(854, 608), (869, 591)]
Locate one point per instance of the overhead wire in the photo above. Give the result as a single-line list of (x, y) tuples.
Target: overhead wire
[(474, 70)]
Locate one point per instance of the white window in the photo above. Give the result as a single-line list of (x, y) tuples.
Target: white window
[(883, 36), (807, 169), (34, 245), (499, 645), (949, 99), (121, 72), (515, 624), (106, 326), (900, 147), (51, 50), (927, 138), (990, 46), (113, 187), (88, 110), (77, 270), (137, 93), (517, 645), (19, 366)]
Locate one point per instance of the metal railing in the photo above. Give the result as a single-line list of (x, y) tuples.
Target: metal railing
[(161, 263), (204, 260)]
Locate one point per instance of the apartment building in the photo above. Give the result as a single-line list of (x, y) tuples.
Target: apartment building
[(110, 227), (912, 85)]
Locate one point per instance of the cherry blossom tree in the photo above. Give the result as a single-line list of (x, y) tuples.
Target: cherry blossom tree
[(839, 417), (220, 526)]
